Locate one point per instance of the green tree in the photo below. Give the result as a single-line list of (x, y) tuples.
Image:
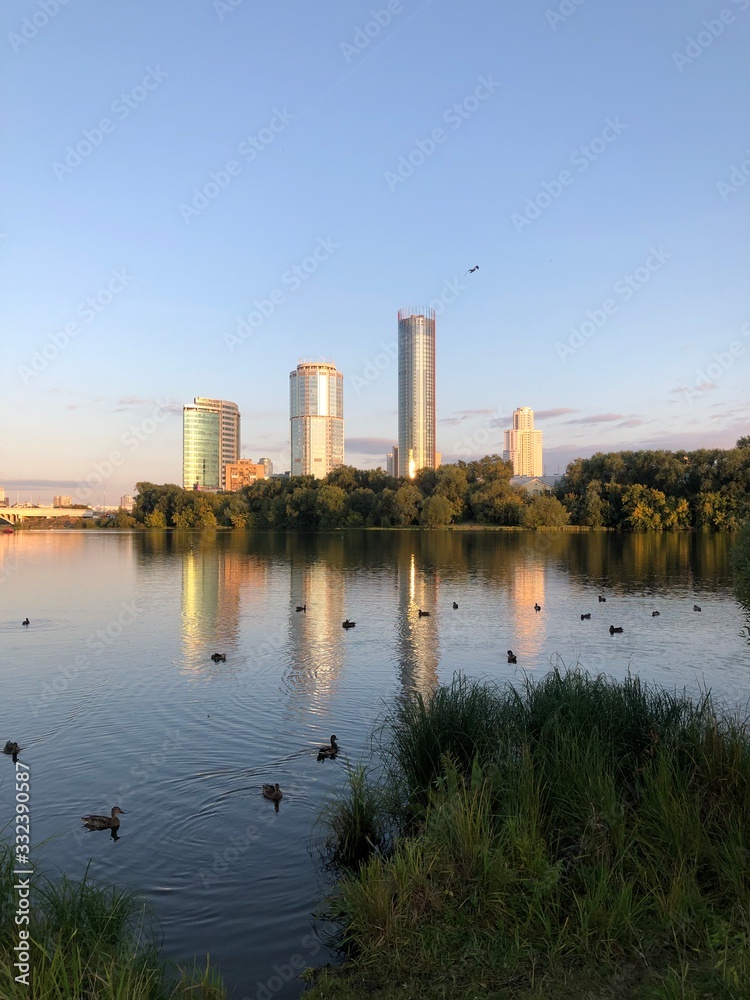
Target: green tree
[(545, 512), (407, 501), (329, 503), (437, 511)]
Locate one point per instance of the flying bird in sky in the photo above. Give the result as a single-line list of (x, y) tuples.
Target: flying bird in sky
[(472, 269)]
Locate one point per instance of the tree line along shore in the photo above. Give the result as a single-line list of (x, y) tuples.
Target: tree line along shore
[(626, 491)]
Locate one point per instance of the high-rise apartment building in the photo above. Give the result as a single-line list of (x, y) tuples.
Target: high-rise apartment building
[(416, 391), (316, 411), (523, 445), (268, 464), (391, 462), (210, 441)]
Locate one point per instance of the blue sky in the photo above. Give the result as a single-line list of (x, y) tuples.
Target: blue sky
[(187, 165)]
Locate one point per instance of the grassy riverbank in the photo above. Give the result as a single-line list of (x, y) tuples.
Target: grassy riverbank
[(88, 940), (578, 838)]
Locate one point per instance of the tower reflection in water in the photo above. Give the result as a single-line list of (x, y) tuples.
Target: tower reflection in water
[(527, 588), (417, 642), (316, 639), (216, 584)]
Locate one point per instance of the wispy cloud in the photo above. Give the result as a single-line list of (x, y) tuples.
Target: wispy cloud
[(599, 418), (369, 446), (633, 422), (551, 414)]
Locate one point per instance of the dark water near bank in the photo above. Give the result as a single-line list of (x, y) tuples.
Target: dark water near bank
[(112, 690)]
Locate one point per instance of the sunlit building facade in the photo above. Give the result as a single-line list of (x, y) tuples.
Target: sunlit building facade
[(416, 391), (316, 411), (210, 441), (242, 473), (523, 445)]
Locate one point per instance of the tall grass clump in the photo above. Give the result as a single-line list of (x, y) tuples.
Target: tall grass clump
[(356, 823), (572, 835), (89, 940)]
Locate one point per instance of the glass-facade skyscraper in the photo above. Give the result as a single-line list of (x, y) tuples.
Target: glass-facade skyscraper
[(316, 411), (416, 391), (210, 441)]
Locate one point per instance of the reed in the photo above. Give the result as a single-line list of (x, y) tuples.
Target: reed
[(90, 940), (572, 836)]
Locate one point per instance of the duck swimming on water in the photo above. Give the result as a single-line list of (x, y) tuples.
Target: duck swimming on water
[(26, 622), (273, 792), (104, 822), (12, 748), (348, 624), (512, 658), (301, 607), (329, 751), (219, 657), (423, 614), (615, 628), (455, 606)]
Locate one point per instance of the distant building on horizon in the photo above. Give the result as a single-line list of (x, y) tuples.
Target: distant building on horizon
[(242, 473), (316, 412), (391, 462), (268, 465), (62, 501), (127, 503), (210, 441), (416, 391), (523, 445)]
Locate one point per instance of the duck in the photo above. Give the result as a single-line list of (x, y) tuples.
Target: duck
[(696, 608), (455, 606), (602, 600), (273, 792), (655, 614), (329, 751), (615, 628), (537, 607), (219, 657), (104, 822), (11, 747), (512, 658), (301, 607), (423, 614), (348, 624), (584, 617), (26, 622)]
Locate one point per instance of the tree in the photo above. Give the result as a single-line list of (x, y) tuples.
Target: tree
[(407, 501), (329, 505), (437, 511), (545, 512)]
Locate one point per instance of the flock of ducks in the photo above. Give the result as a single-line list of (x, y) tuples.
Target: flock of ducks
[(328, 752)]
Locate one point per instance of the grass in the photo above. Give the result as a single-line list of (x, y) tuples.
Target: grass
[(90, 941), (575, 838)]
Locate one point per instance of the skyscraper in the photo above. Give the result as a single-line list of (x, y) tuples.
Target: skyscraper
[(210, 441), (523, 445), (416, 391), (316, 411)]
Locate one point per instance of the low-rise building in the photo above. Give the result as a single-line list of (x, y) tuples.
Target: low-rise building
[(243, 473)]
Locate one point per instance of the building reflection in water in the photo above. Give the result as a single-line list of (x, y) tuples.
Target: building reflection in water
[(316, 638), (216, 583), (417, 643), (527, 588)]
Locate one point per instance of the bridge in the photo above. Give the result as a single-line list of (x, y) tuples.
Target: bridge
[(14, 515)]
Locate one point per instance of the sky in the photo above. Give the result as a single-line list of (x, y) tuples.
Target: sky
[(199, 194)]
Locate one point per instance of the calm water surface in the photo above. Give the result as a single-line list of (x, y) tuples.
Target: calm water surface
[(113, 693)]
